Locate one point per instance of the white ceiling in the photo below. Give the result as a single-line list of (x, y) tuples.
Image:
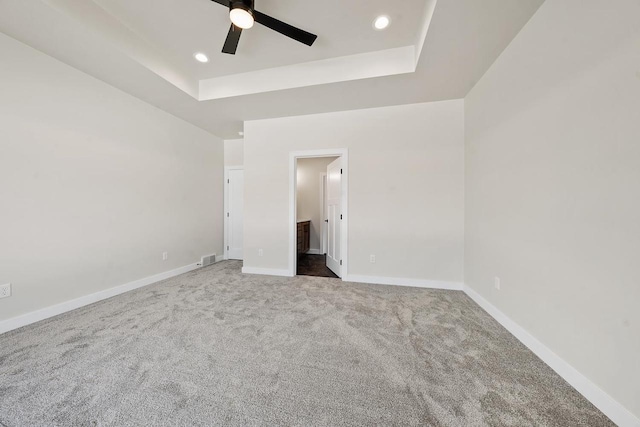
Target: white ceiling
[(181, 28), (145, 48)]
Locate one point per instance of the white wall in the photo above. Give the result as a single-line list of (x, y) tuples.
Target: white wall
[(406, 201), (552, 181), (234, 152), (95, 185), (309, 198)]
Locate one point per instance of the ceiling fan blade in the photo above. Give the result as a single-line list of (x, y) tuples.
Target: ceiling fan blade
[(225, 3), (283, 28), (231, 43)]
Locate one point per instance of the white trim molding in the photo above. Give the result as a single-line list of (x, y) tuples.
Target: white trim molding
[(600, 399), (315, 252), (414, 283), (54, 310), (266, 271), (323, 213)]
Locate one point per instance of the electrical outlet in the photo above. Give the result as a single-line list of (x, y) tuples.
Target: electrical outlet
[(496, 283), (372, 259), (260, 252), (165, 256), (5, 290)]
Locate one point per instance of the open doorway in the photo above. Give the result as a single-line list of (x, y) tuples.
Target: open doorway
[(312, 222), (318, 200)]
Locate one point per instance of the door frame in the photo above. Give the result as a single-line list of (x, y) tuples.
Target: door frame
[(344, 225), (227, 169), (323, 213)]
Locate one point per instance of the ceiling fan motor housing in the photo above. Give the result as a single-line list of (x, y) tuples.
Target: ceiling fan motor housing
[(242, 4)]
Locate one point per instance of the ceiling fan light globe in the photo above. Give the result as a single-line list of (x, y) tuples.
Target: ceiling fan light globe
[(241, 18)]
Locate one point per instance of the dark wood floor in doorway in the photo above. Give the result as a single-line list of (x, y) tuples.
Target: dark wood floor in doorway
[(314, 265)]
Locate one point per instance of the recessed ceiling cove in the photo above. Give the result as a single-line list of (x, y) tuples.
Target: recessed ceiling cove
[(432, 50), (343, 28), (347, 47)]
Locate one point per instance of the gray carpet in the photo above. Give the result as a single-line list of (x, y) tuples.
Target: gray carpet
[(216, 347)]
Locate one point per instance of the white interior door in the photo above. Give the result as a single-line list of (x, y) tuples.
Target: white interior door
[(235, 215), (323, 216), (334, 216)]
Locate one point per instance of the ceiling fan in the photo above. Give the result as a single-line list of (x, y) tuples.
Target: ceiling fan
[(243, 15)]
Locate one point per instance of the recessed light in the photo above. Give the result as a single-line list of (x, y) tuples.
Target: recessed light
[(241, 133), (201, 57), (381, 22)]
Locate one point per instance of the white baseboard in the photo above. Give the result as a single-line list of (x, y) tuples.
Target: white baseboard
[(416, 283), (601, 400), (266, 271), (54, 310), (315, 252)]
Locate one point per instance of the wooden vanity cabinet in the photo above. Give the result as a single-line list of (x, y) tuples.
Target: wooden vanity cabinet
[(304, 237)]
